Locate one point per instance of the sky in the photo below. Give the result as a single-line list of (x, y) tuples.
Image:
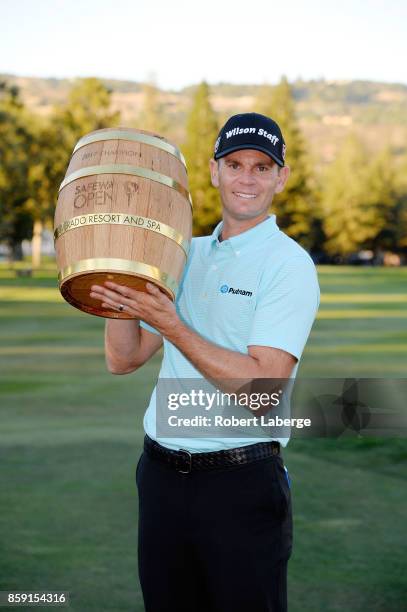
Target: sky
[(181, 42)]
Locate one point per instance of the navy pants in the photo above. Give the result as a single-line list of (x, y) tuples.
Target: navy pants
[(214, 541)]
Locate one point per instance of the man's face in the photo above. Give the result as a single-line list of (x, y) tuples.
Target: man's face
[(247, 181)]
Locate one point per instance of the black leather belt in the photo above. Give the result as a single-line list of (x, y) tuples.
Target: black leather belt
[(184, 462)]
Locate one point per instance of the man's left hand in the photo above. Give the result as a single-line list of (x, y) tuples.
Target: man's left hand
[(153, 307)]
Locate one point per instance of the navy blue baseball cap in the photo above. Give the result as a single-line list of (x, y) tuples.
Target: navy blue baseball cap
[(251, 131)]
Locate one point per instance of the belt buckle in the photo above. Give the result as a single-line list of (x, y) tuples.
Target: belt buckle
[(183, 450)]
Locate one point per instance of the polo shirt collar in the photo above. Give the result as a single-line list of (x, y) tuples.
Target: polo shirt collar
[(255, 234)]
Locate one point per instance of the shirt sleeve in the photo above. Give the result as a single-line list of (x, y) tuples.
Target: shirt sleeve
[(148, 327), (286, 307)]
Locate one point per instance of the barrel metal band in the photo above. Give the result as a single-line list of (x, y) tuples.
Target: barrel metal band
[(154, 141), (111, 264), (145, 223), (127, 169)]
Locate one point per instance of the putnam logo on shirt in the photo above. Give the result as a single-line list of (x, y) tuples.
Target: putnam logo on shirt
[(232, 290)]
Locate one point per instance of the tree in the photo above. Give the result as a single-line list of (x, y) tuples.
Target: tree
[(383, 197), (294, 206), (202, 131), (399, 211), (152, 116), (48, 159), (87, 109), (357, 198), (15, 143)]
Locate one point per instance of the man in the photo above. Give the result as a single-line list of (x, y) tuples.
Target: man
[(215, 528)]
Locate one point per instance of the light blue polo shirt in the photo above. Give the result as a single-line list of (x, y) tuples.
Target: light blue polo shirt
[(257, 288)]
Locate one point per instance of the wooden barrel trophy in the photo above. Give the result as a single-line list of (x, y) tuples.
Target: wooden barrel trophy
[(123, 214)]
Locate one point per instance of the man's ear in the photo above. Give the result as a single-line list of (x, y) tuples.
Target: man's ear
[(213, 167), (282, 178)]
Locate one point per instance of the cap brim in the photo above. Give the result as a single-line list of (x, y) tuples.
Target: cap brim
[(249, 146)]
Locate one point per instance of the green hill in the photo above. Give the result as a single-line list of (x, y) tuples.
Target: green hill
[(327, 110)]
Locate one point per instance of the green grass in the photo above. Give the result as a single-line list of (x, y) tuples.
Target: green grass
[(71, 435)]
